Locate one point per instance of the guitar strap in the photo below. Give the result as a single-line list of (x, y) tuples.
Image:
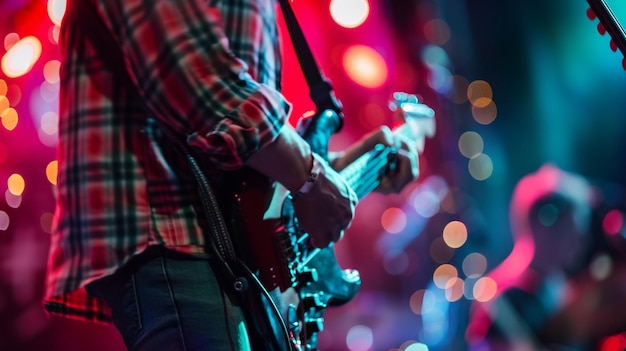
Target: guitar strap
[(320, 89)]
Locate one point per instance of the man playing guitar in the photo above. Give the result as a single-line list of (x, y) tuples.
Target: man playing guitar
[(131, 243)]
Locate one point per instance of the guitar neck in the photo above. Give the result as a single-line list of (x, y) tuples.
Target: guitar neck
[(602, 10), (365, 173)]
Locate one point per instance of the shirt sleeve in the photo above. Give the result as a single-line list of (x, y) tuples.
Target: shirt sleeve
[(178, 56)]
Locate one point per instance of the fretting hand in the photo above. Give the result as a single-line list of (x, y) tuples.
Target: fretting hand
[(407, 163)]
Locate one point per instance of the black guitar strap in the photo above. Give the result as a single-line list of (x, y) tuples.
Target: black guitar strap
[(320, 89)]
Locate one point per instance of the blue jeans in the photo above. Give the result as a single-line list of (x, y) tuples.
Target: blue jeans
[(165, 300)]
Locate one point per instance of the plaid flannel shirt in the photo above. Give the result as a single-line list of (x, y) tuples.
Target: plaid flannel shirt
[(209, 70)]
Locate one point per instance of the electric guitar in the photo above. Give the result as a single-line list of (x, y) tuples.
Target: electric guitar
[(304, 280)]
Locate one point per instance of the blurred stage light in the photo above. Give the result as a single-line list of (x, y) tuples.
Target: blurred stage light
[(56, 10), (349, 13), (21, 57), (443, 274), (4, 221), (393, 220), (485, 289), (51, 172), (455, 289), (455, 234), (365, 66), (9, 118), (16, 184), (474, 265), (360, 338), (480, 167), (471, 144), (612, 222), (479, 93)]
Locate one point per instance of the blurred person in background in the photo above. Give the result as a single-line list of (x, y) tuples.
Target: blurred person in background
[(549, 297)]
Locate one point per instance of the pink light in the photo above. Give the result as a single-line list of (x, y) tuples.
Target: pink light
[(613, 221), (515, 264)]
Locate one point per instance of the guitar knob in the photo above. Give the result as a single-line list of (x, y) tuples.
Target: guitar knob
[(312, 301), (308, 276), (590, 14), (314, 325)]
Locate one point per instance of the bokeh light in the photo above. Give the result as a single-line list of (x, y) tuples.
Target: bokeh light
[(56, 10), (4, 220), (12, 200), (480, 167), (443, 274), (613, 343), (420, 300), (9, 118), (4, 88), (46, 222), (16, 184), (393, 220), (471, 144), (613, 222), (4, 103), (426, 203), (439, 251), (437, 31), (479, 93), (485, 289), (360, 338), (21, 57), (485, 113), (474, 264), (14, 94), (10, 40), (455, 234), (349, 13), (455, 289), (416, 346), (51, 71), (365, 66), (601, 267), (51, 172)]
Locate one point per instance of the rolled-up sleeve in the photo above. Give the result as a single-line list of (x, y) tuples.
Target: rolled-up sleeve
[(178, 56)]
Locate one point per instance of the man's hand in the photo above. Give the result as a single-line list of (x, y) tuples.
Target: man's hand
[(327, 209), (407, 164)]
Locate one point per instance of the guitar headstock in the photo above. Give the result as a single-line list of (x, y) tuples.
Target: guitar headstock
[(608, 23), (418, 118)]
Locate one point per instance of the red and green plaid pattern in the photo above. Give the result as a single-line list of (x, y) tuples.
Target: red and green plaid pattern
[(208, 69)]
